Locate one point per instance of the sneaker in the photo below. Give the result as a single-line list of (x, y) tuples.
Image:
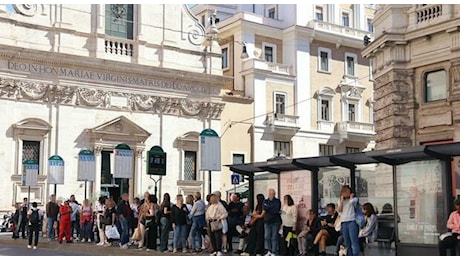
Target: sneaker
[(245, 254), (83, 240), (29, 246), (268, 253), (89, 241), (224, 250), (174, 250), (125, 246), (213, 254), (35, 247), (219, 253), (184, 250)]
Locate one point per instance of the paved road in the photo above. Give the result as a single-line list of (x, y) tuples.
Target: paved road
[(16, 250)]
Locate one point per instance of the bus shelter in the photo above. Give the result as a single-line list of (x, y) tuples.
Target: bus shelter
[(417, 183)]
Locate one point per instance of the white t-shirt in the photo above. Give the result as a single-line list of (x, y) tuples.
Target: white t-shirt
[(348, 210)]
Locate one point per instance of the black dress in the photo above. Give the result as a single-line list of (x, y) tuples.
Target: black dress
[(333, 234)]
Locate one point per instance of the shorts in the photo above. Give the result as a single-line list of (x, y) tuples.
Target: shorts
[(224, 226)]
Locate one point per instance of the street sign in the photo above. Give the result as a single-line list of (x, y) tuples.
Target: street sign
[(156, 161), (123, 167), (31, 173), (55, 170), (86, 166), (210, 150), (235, 179)]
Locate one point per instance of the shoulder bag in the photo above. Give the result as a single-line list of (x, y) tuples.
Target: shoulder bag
[(359, 217)]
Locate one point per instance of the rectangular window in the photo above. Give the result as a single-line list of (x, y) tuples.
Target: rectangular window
[(203, 20), (190, 166), (324, 61), (319, 13), (272, 13), (282, 148), (352, 150), (119, 20), (325, 110), (325, 149), (280, 103), (351, 112), (268, 51), (350, 65), (225, 58), (345, 19), (31, 151), (435, 85), (370, 26), (238, 159)]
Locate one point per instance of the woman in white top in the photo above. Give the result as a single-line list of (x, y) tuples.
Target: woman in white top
[(350, 229), (289, 220), (214, 213)]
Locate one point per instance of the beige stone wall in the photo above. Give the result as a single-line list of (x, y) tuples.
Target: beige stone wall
[(271, 88)]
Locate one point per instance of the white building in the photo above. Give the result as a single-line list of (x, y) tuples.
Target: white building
[(312, 90), (76, 77)]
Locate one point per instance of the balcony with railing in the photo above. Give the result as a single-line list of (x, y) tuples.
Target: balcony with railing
[(270, 67), (120, 47), (282, 124), (426, 13), (355, 131), (338, 30)]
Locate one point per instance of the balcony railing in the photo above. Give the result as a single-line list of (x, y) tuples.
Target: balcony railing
[(357, 127), (119, 47), (338, 29), (428, 12), (268, 66)]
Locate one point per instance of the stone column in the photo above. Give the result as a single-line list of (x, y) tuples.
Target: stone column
[(97, 184), (392, 113)]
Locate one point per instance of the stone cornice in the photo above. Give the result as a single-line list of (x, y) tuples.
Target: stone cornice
[(41, 92)]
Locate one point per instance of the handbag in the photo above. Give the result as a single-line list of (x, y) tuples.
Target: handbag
[(112, 232), (338, 223), (216, 225), (445, 235), (359, 217), (136, 235)]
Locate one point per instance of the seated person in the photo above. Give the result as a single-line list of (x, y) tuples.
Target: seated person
[(308, 234), (327, 235), (243, 229), (453, 224)]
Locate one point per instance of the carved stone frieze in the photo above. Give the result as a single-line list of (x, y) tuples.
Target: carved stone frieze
[(97, 98)]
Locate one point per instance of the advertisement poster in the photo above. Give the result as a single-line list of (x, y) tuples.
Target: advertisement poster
[(298, 185), (420, 202)]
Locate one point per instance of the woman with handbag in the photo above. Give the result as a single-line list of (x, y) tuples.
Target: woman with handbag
[(215, 213), (289, 222), (350, 229), (151, 224), (110, 220), (179, 215), (256, 236)]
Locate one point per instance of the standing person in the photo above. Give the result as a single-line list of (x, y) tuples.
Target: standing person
[(143, 214), (272, 219), (216, 212), (189, 204), (16, 217), (86, 221), (52, 211), (289, 221), (179, 215), (327, 235), (135, 209), (75, 217), (125, 218), (350, 230), (165, 221), (100, 208), (453, 224), (110, 217), (150, 222), (23, 218), (224, 223), (198, 222), (369, 233), (34, 216), (65, 223), (235, 217), (256, 236)]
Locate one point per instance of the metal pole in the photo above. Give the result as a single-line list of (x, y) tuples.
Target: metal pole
[(55, 190), (28, 198), (209, 184), (156, 189), (234, 188), (85, 189), (314, 189)]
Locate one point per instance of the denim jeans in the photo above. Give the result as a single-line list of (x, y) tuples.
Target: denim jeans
[(350, 232), (124, 236), (164, 233), (198, 223), (180, 234), (86, 230), (272, 237), (51, 227)]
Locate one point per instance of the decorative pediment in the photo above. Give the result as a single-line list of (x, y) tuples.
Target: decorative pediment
[(351, 88), (32, 126), (118, 129), (188, 141), (326, 91)]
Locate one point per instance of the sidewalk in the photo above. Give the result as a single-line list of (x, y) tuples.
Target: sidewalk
[(90, 248)]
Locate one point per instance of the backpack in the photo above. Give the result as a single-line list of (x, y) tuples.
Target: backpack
[(34, 218)]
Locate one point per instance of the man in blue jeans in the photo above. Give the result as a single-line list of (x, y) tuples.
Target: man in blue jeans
[(272, 218), (125, 216), (52, 211)]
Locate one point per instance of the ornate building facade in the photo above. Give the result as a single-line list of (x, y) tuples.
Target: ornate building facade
[(75, 77)]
